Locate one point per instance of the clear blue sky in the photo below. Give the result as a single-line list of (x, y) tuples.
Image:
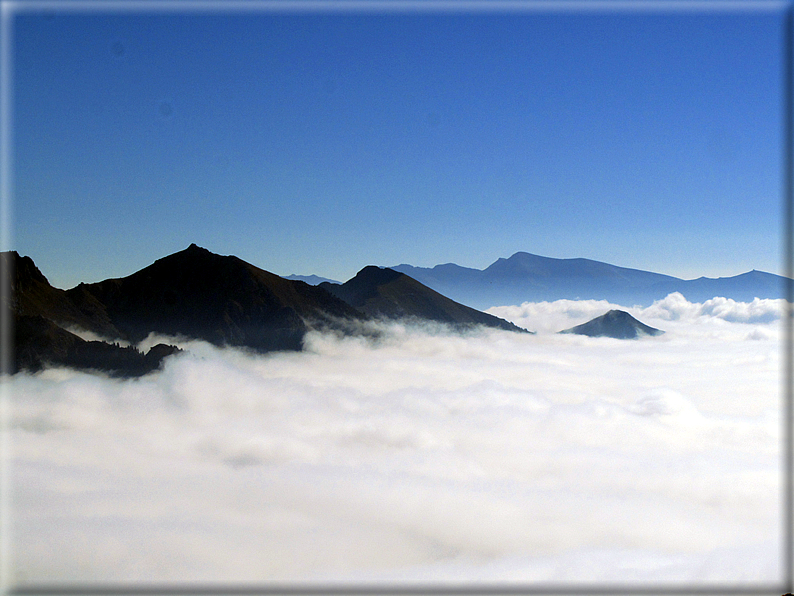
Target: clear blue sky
[(320, 142)]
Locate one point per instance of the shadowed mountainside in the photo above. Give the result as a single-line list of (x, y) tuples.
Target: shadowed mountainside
[(38, 313), (31, 294), (40, 342), (220, 299), (385, 293), (615, 323), (197, 294)]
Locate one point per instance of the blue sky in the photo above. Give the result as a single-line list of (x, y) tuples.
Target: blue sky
[(322, 141)]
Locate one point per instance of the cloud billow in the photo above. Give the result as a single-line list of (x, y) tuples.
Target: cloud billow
[(416, 453)]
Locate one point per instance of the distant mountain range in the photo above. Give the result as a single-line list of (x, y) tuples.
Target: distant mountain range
[(312, 280), (526, 277), (197, 294)]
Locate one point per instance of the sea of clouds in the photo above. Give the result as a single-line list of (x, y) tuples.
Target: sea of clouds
[(419, 455)]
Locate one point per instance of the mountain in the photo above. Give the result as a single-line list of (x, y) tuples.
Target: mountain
[(193, 294), (31, 294), (531, 278), (386, 293), (220, 299), (39, 313), (197, 294), (312, 280), (39, 342), (615, 323), (742, 288)]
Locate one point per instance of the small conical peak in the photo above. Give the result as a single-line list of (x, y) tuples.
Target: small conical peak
[(614, 323), (193, 257), (617, 315)]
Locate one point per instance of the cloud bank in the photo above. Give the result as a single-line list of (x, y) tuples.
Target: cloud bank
[(419, 455), (549, 317)]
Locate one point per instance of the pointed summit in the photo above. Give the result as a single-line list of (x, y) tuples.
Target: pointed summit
[(617, 324), (224, 300)]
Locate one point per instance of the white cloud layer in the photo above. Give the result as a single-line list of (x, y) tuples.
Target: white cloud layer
[(555, 316), (422, 455)]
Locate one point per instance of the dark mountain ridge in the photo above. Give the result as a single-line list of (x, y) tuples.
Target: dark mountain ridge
[(197, 294), (386, 293), (39, 342), (220, 299), (31, 294), (38, 314)]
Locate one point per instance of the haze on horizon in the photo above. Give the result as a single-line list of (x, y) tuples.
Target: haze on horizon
[(321, 142)]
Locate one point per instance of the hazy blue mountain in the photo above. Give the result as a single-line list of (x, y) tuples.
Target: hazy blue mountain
[(531, 278), (743, 288), (453, 281), (312, 280), (617, 324)]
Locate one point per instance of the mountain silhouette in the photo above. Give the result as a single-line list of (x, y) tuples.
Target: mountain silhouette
[(39, 342), (31, 294), (39, 312), (196, 294), (220, 299), (193, 294), (615, 323), (386, 293), (526, 277)]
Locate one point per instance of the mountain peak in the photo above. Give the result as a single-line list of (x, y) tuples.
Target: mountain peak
[(195, 248), (377, 275), (220, 299), (385, 293), (615, 323), (364, 286)]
